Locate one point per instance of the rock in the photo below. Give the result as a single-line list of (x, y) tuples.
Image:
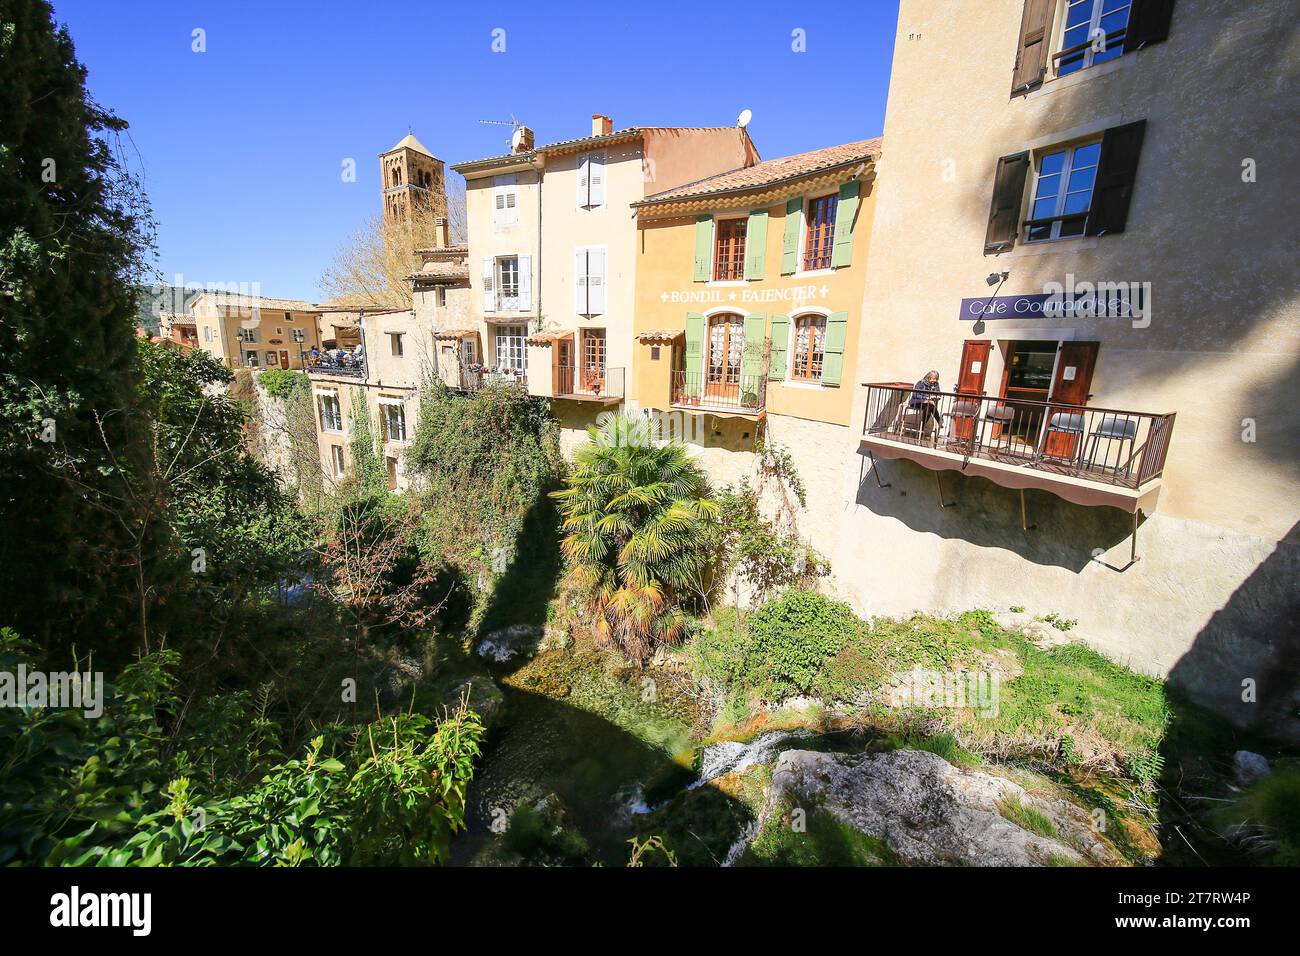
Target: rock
[(554, 638), (801, 705), (502, 644), (1250, 767), (929, 812), (482, 695)]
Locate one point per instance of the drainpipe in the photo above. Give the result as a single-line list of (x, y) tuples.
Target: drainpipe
[(538, 283)]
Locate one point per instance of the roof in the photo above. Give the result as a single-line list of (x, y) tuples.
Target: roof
[(459, 248), (453, 333), (546, 338), (771, 171), (410, 142), (581, 142)]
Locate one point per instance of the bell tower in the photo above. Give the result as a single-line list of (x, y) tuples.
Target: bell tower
[(412, 179)]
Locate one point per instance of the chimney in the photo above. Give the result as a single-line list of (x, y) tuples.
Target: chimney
[(600, 125), (522, 141), (442, 232)]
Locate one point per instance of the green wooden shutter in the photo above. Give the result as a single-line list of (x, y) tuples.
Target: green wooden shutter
[(756, 244), (837, 330), (694, 355), (790, 237), (751, 362), (776, 359), (846, 211), (703, 248)]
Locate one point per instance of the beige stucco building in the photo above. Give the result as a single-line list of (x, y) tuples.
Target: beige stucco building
[(1123, 454), (253, 331), (553, 257)]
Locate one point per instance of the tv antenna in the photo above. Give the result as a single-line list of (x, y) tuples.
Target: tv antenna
[(513, 123)]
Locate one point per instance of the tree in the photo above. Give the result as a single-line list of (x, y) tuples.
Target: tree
[(74, 233), (373, 266), (637, 532)]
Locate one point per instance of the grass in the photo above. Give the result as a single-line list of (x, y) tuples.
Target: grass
[(1027, 818)]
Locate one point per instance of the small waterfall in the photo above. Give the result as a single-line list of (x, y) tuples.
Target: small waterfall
[(737, 849), (730, 756)]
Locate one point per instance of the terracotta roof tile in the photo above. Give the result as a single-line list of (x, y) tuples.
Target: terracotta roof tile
[(771, 171)]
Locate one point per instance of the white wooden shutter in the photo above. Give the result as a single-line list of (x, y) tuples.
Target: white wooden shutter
[(505, 201), (595, 281), (596, 176), (525, 283), (580, 281), (489, 293), (584, 194)]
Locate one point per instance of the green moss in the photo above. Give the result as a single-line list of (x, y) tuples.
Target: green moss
[(820, 840)]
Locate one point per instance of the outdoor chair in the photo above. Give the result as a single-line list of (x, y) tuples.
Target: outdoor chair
[(1113, 428), (1064, 423), (995, 416), (964, 412)]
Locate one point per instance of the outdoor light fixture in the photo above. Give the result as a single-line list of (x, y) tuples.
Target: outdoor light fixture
[(996, 277)]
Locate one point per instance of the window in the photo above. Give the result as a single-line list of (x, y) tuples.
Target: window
[(508, 277), (591, 180), (394, 418), (246, 335), (820, 234), (589, 280), (298, 335), (1063, 193), (512, 348), (272, 358), (250, 359), (207, 333), (505, 201), (809, 347), (442, 297), (331, 415), (337, 460), (288, 317), (1093, 32), (729, 250), (395, 343)]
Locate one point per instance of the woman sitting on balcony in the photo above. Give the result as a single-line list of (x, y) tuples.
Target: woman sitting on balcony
[(925, 397)]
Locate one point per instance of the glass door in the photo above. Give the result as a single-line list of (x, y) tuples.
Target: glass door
[(726, 350)]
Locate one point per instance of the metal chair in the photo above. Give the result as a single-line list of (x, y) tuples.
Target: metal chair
[(1065, 423), (964, 411), (998, 415), (1113, 428)]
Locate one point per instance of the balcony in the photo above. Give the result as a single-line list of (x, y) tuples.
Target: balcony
[(340, 364), (1090, 456), (471, 377), (604, 385), (720, 392)]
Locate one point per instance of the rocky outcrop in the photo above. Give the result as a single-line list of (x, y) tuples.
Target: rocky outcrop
[(929, 812), (508, 642)]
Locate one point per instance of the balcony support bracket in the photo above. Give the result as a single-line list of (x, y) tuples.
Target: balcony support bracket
[(939, 484), (875, 470), (1024, 514)]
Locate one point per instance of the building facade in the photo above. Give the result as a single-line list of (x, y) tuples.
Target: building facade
[(255, 332), (748, 311), (1072, 232)]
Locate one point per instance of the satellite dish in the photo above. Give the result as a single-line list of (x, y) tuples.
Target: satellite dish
[(743, 120), (516, 137)]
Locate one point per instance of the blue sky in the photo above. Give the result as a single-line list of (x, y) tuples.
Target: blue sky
[(242, 146)]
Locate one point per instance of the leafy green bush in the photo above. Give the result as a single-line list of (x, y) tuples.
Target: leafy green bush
[(796, 635), (757, 553), (283, 382)]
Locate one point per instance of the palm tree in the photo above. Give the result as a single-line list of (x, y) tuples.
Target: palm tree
[(637, 523)]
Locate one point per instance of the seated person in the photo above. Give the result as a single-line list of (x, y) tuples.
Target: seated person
[(924, 398)]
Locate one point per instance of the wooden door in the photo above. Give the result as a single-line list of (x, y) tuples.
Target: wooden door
[(1070, 386), (284, 359), (726, 352), (562, 382), (593, 361), (970, 380)]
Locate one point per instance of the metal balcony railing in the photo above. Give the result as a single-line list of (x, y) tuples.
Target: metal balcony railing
[(719, 390), (1112, 446), (593, 382), (325, 363)]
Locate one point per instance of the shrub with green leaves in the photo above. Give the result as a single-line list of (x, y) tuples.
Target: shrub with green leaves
[(796, 635)]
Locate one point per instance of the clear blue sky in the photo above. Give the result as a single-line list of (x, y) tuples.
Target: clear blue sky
[(241, 146)]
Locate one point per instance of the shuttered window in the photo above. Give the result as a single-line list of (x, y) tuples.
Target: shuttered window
[(1062, 193), (394, 422), (729, 251), (505, 201), (591, 180), (512, 348), (1008, 196), (819, 238), (589, 280), (507, 278), (809, 347), (331, 416)]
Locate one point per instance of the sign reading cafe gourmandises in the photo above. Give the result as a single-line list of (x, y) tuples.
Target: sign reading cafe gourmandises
[(1101, 300)]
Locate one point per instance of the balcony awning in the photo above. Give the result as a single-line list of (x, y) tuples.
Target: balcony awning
[(661, 335), (547, 338), (1080, 491), (454, 333)]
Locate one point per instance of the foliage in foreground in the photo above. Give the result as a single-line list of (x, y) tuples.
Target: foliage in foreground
[(637, 522), (141, 786)]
